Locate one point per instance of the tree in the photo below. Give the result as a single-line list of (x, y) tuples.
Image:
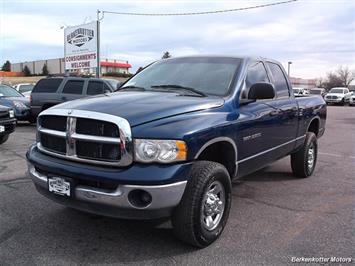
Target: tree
[(45, 71), (332, 80), (26, 71), (345, 75), (339, 78), (166, 55), (6, 66)]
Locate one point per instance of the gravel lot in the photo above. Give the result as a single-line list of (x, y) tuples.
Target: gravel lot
[(274, 216)]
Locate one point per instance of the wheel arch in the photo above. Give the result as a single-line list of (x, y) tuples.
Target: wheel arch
[(314, 125), (211, 150)]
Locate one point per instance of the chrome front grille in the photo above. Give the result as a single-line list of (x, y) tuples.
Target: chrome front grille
[(85, 136)]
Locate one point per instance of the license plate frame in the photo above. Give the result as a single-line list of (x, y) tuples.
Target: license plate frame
[(61, 186)]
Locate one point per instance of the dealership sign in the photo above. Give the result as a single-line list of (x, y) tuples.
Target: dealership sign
[(81, 46)]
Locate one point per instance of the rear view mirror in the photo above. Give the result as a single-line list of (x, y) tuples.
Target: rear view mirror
[(261, 90)]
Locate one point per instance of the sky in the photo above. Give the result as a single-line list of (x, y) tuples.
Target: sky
[(316, 36)]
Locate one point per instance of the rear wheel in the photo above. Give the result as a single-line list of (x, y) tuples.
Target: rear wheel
[(4, 138), (304, 161), (204, 209)]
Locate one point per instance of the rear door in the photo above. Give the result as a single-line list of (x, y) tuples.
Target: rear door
[(72, 89), (285, 108)]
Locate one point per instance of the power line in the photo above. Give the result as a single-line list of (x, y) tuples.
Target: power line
[(198, 13)]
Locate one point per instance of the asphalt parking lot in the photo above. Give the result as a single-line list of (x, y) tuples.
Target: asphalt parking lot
[(274, 216)]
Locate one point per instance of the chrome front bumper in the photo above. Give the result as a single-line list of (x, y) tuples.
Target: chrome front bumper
[(333, 100), (164, 197)]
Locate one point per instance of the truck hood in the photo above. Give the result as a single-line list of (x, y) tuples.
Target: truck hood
[(9, 101), (335, 94), (143, 107)]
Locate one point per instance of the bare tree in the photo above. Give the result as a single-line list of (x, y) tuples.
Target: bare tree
[(345, 75)]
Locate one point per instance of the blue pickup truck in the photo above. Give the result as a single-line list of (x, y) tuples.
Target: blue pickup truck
[(170, 141)]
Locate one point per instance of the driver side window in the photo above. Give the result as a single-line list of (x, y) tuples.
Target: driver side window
[(256, 73)]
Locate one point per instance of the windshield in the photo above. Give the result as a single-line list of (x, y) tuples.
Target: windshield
[(25, 88), (207, 75), (336, 91), (7, 91)]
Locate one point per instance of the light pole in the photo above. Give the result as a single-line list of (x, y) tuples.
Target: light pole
[(288, 67)]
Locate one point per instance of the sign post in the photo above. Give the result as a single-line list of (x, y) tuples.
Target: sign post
[(98, 68), (81, 47)]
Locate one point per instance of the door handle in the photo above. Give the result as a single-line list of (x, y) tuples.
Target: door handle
[(275, 112)]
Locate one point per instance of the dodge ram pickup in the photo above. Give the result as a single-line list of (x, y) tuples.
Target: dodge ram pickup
[(7, 123), (170, 141)]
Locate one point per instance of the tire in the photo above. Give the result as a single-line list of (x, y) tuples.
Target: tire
[(4, 138), (303, 162), (188, 219)]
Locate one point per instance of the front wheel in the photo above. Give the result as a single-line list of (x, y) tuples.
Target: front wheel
[(4, 138), (204, 209), (304, 161)]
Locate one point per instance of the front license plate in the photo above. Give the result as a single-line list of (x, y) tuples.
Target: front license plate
[(2, 129), (59, 186)]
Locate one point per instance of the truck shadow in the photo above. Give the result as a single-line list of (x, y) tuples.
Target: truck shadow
[(85, 238)]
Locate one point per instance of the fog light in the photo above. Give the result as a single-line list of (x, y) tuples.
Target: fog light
[(139, 198)]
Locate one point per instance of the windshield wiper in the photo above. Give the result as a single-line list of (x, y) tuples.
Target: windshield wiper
[(135, 88), (179, 87)]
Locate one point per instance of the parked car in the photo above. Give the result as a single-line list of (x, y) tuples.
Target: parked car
[(318, 91), (11, 98), (7, 123), (172, 139), (297, 91), (352, 99), (24, 87), (340, 95), (54, 90)]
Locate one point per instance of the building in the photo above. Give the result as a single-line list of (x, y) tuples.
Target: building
[(303, 83), (56, 66)]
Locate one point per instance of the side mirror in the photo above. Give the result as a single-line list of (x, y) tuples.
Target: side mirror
[(261, 90)]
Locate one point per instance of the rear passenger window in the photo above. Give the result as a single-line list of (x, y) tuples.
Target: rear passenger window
[(74, 87), (256, 73), (279, 80), (95, 87), (50, 85)]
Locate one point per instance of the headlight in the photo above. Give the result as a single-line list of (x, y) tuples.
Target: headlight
[(11, 113), (19, 104), (162, 151)]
